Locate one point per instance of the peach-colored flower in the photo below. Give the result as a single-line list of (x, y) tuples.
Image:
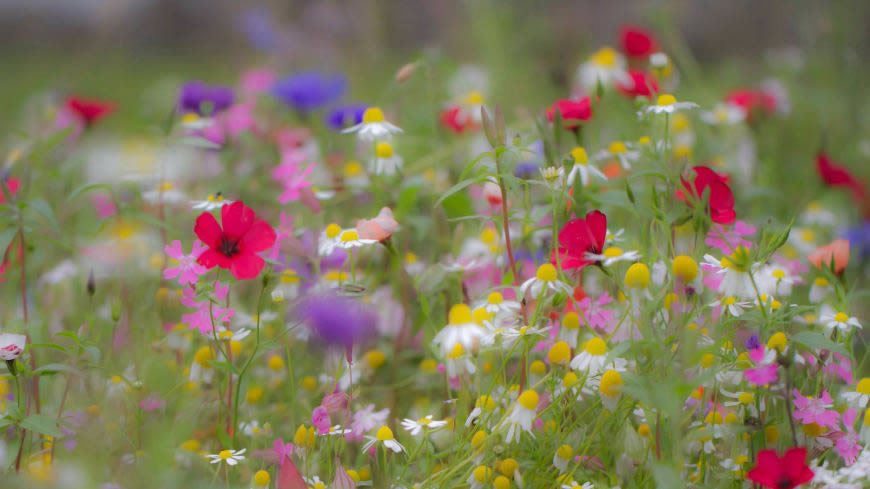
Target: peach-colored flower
[(379, 228), (838, 251)]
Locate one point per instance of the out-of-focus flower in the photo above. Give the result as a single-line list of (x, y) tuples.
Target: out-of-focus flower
[(639, 84), (374, 126), (257, 81), (379, 228), (203, 99), (836, 252), (786, 472), (337, 320), (187, 271), (667, 104), (637, 42), (572, 112), (579, 237), (89, 110), (721, 200), (604, 68), (837, 176), (753, 102), (309, 90), (345, 116), (11, 345)]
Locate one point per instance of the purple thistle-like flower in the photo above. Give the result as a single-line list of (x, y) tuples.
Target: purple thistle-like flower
[(344, 116), (337, 320), (309, 90), (197, 96)]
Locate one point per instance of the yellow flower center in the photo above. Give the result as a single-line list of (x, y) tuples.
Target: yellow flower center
[(605, 56), (333, 230), (863, 386), (595, 346), (474, 98), (571, 320), (666, 99), (613, 252), (821, 282), (637, 276), (204, 356), (501, 482), (812, 430), (569, 379), (737, 261), (714, 417), (482, 473), (580, 156), (495, 298), (410, 258), (808, 235), (685, 267), (546, 273), (745, 398), (353, 168), (456, 352), (528, 400), (565, 452), (778, 274), (778, 341), (261, 478), (611, 383), (643, 430), (560, 352), (384, 150), (617, 147), (385, 433), (644, 140), (841, 317), (459, 314), (538, 367), (374, 359), (349, 236), (225, 454), (373, 114)]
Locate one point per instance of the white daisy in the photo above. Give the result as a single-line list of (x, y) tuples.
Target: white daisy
[(165, 193), (621, 152), (591, 359), (724, 114), (667, 104), (820, 289), (385, 436), (373, 126), (231, 457), (328, 239), (582, 167), (552, 176), (732, 305), (210, 203), (350, 239), (613, 255), (545, 278), (734, 268), (838, 320), (461, 330), (416, 427), (605, 67), (860, 397), (496, 304), (385, 161), (522, 416)]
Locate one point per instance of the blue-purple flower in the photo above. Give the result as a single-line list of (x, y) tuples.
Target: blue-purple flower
[(203, 99), (344, 116), (337, 320), (309, 90), (859, 237)]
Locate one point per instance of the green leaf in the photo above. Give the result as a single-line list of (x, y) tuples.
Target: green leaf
[(6, 237), (456, 188), (224, 438), (815, 340), (40, 423), (407, 199), (47, 345), (43, 208), (457, 205), (87, 188), (53, 368), (196, 142)]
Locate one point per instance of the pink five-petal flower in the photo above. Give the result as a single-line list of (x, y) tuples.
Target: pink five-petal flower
[(320, 420), (206, 313), (732, 237), (815, 410), (847, 445), (293, 180), (763, 374), (188, 270)]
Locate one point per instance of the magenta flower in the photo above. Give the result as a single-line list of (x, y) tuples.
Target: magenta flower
[(105, 206), (365, 420), (320, 420), (289, 175), (841, 366), (201, 319), (187, 271), (764, 373), (733, 237), (283, 231), (152, 403), (282, 450), (594, 312), (815, 410), (847, 445)]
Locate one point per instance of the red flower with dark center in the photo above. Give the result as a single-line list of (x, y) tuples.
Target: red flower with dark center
[(637, 42), (787, 472), (451, 119), (234, 247), (834, 175), (754, 102), (573, 112), (642, 85), (578, 237), (89, 110), (721, 200)]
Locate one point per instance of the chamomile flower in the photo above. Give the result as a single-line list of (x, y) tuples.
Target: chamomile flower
[(621, 152), (564, 455), (483, 404), (545, 278), (522, 416), (838, 320), (384, 435), (329, 239), (610, 389), (774, 280), (804, 239), (480, 477), (570, 328), (349, 238), (582, 167), (552, 177), (354, 174), (458, 361), (201, 369), (212, 202), (743, 402), (816, 214), (667, 104), (166, 192), (374, 126), (426, 422), (498, 305), (731, 305), (577, 485), (336, 430), (510, 336), (860, 397), (605, 68), (385, 161), (231, 457), (724, 114), (592, 359), (734, 269), (460, 330), (820, 289), (613, 255), (735, 466)]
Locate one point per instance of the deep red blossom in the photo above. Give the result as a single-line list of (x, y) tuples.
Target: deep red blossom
[(578, 237), (454, 119), (637, 42), (642, 84), (834, 175), (234, 247), (721, 200), (89, 110), (753, 102), (12, 184), (787, 472), (573, 112)]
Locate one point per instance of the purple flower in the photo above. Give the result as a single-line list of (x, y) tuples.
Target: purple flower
[(859, 237), (258, 27), (344, 116), (526, 170), (309, 90), (753, 342), (198, 97), (337, 320)]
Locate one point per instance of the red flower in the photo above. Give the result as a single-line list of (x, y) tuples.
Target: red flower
[(637, 41), (578, 237), (453, 119), (752, 101), (721, 201), (235, 246), (642, 85), (787, 472), (89, 110), (573, 112), (834, 175), (12, 184)]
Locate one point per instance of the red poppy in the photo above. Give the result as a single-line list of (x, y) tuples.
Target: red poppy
[(642, 85), (452, 119), (752, 101), (573, 112), (12, 184), (787, 472), (89, 110), (578, 237), (834, 175), (234, 247), (721, 201), (637, 42)]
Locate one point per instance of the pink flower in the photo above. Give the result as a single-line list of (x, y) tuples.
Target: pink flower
[(847, 445), (594, 312), (283, 232), (282, 450), (366, 419), (201, 319), (257, 81), (379, 228), (320, 420), (152, 403), (841, 366), (814, 410), (104, 206), (187, 271), (732, 238), (289, 175), (763, 374)]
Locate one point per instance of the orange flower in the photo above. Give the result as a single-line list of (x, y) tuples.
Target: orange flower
[(836, 251)]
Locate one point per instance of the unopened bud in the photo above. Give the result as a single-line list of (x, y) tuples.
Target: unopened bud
[(92, 286), (405, 72), (116, 309)]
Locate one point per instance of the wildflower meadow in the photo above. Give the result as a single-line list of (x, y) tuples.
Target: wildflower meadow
[(441, 270)]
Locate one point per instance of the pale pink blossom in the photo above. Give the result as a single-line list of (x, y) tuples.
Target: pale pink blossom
[(187, 271), (379, 228)]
